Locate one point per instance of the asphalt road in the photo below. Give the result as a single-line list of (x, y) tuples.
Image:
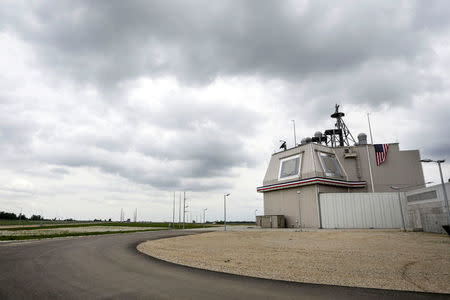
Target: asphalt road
[(109, 266)]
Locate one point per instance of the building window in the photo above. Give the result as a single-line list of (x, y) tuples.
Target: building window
[(330, 165), (290, 167), (422, 196)]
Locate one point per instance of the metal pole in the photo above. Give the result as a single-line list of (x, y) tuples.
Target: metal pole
[(173, 213), (401, 211), (179, 212), (370, 128), (299, 212), (204, 218), (225, 212), (184, 207), (444, 191), (295, 136), (370, 168)]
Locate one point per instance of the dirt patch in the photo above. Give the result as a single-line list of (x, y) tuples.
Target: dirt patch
[(376, 259)]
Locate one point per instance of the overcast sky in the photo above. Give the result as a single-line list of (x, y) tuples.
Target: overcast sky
[(117, 104)]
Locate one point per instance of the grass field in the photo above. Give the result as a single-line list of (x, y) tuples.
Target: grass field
[(64, 234), (30, 222), (122, 224), (26, 229)]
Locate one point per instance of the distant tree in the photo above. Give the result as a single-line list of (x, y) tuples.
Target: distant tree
[(21, 217), (7, 216), (36, 218)]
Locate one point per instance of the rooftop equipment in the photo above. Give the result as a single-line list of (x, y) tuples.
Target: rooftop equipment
[(319, 138), (362, 139), (340, 135)]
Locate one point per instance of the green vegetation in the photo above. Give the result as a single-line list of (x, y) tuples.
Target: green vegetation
[(30, 222), (46, 236), (122, 224), (12, 216)]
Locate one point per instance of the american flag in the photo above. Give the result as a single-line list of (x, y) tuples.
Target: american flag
[(381, 151)]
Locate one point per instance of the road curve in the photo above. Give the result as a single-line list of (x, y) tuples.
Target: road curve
[(109, 266)]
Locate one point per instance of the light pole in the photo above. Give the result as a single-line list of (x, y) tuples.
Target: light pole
[(443, 185), (173, 213), (299, 212), (397, 188), (204, 219), (184, 208), (400, 203), (225, 211)]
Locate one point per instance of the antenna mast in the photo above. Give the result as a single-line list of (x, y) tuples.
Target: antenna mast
[(339, 136)]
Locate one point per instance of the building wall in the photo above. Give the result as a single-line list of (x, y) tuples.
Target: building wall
[(427, 214), (285, 202), (360, 210), (401, 168), (307, 164)]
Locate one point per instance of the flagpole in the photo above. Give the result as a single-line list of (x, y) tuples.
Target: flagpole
[(370, 168), (295, 135), (370, 129)]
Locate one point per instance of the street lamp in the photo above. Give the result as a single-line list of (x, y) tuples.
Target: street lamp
[(204, 213), (225, 211), (443, 185), (299, 212)]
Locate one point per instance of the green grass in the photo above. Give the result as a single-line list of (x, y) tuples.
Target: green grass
[(47, 236), (124, 224), (30, 222)]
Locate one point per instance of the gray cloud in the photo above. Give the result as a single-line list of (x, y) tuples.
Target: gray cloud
[(165, 146), (107, 42), (67, 101)]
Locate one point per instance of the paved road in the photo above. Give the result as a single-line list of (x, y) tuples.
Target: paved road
[(109, 266)]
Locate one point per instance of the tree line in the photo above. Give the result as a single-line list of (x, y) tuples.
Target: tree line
[(12, 216)]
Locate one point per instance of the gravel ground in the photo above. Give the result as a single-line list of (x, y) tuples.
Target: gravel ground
[(70, 230), (377, 259)]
